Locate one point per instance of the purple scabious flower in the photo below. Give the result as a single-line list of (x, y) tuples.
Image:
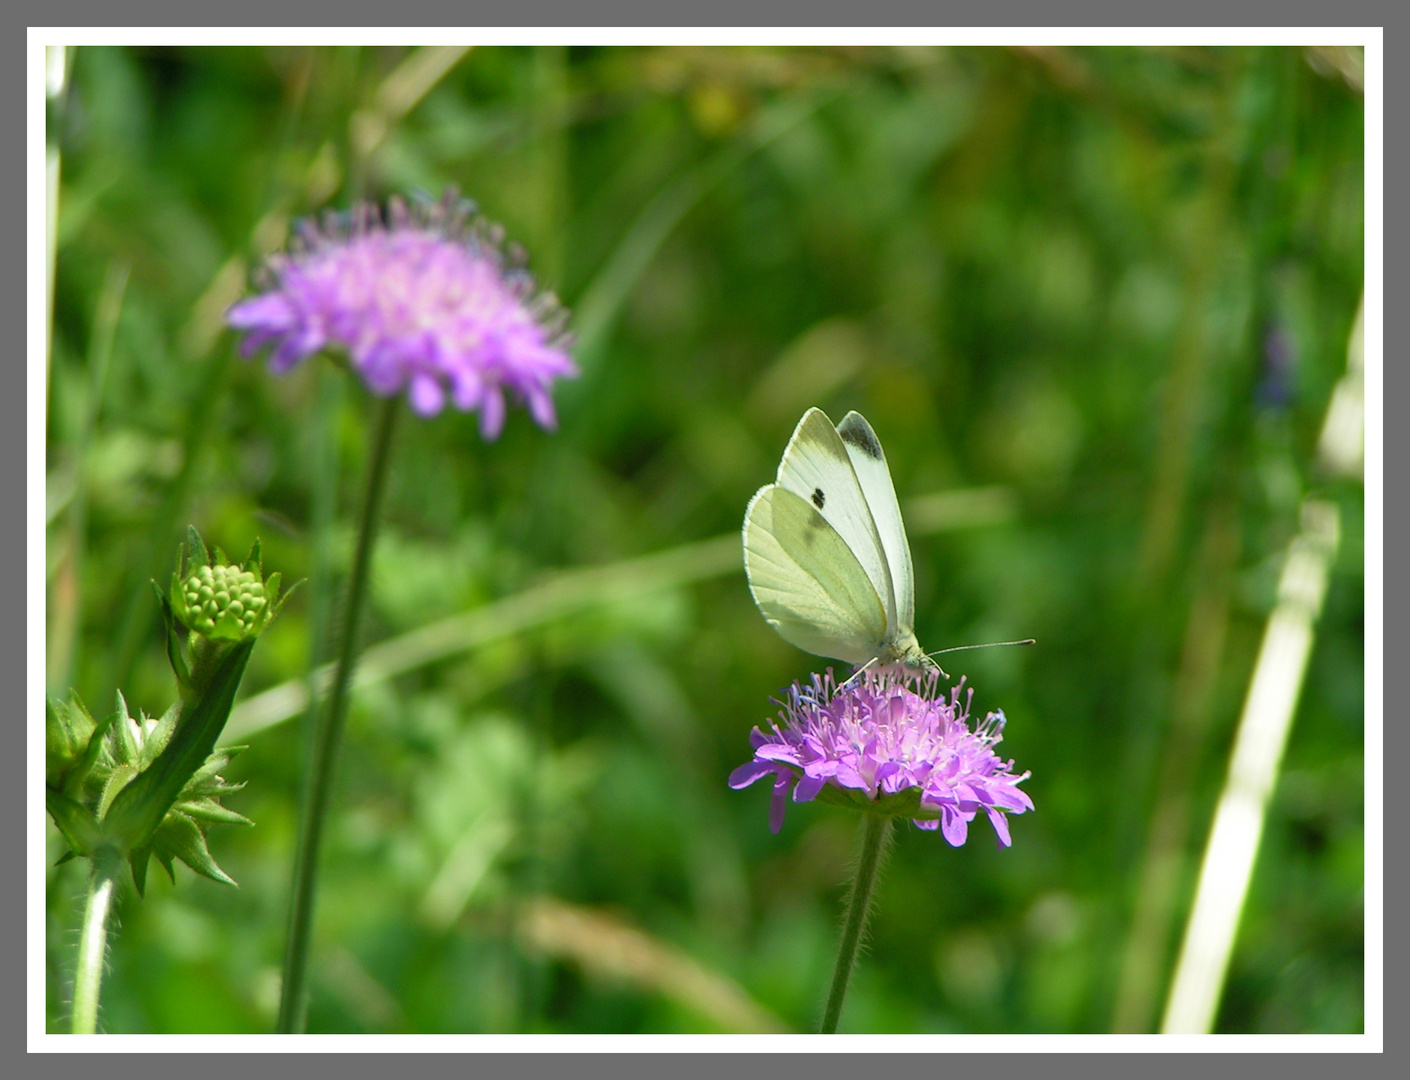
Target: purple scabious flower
[(421, 299), (887, 743)]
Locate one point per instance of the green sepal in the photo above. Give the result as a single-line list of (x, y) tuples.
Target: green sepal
[(118, 778), (138, 860), (212, 811), (174, 611), (140, 807), (65, 857), (227, 628), (68, 732), (76, 823), (182, 838), (197, 548), (898, 804), (94, 754), (159, 736), (253, 561)]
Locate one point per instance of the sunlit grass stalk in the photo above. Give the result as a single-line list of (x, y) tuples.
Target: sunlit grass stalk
[(876, 836), (93, 942), (328, 734), (55, 64)]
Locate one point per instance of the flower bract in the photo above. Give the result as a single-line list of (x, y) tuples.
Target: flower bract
[(890, 744), (422, 300)]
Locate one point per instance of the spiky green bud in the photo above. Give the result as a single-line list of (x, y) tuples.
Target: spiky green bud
[(68, 728), (219, 601)]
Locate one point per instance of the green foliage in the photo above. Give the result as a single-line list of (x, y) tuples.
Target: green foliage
[(1113, 288), (130, 787)]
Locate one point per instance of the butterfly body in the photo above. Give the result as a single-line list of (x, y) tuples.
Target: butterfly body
[(825, 550)]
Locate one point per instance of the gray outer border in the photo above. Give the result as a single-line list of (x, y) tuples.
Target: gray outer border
[(730, 13)]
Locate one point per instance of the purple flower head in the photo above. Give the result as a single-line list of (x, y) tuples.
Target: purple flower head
[(887, 743), (420, 299)]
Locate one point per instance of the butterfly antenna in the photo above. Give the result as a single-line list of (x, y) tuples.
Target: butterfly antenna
[(986, 645), (858, 673)]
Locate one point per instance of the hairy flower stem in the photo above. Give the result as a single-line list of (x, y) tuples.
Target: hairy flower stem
[(93, 943), (874, 840), (327, 737)]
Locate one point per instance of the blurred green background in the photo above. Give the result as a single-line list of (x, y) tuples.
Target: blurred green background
[(1094, 303)]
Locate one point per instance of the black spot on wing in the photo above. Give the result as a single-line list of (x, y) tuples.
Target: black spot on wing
[(860, 435), (818, 498)]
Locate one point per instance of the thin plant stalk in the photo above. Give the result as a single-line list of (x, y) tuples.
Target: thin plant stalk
[(327, 736), (874, 841), (93, 942)]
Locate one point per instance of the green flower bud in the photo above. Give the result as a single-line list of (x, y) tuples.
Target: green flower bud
[(220, 602)]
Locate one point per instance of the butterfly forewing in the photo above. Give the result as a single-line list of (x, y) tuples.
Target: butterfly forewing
[(806, 580), (818, 467), (869, 464)]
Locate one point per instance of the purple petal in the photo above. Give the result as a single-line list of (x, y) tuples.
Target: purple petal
[(1001, 827), (427, 396), (467, 388), (954, 826), (808, 788), (286, 356), (747, 773), (272, 312), (492, 414), (777, 752), (1012, 798), (541, 408), (779, 803)]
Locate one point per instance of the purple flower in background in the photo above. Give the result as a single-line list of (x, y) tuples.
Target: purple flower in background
[(422, 301), (891, 744)]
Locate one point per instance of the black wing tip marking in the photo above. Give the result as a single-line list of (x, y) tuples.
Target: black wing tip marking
[(857, 432)]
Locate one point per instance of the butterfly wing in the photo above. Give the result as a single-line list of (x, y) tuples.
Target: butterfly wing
[(869, 463), (806, 580), (817, 467)]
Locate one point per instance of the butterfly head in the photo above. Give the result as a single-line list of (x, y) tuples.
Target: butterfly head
[(905, 655)]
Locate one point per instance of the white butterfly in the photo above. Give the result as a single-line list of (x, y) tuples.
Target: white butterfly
[(826, 553)]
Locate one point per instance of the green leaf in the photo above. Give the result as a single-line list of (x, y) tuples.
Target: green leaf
[(140, 806)]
